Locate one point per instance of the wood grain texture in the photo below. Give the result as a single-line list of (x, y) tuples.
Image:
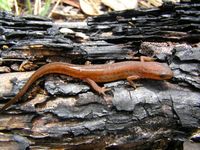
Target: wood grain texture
[(65, 113)]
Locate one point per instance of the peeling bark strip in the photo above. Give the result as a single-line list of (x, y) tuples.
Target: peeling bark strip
[(64, 113)]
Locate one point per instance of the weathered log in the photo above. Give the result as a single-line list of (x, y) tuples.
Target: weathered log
[(64, 113), (168, 23)]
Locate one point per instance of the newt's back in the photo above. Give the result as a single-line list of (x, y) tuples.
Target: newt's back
[(122, 70)]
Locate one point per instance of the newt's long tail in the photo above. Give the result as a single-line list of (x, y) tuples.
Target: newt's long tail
[(19, 95), (9, 103), (56, 67), (36, 75)]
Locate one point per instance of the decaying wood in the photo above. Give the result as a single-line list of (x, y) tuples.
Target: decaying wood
[(169, 22), (64, 113)]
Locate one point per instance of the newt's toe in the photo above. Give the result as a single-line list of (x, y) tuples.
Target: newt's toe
[(103, 90)]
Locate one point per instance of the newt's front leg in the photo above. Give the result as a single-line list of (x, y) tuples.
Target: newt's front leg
[(130, 80), (100, 90)]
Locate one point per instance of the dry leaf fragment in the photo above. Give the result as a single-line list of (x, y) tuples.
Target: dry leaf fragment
[(156, 3), (66, 31), (144, 4), (82, 35), (91, 7), (118, 5), (4, 69), (27, 65), (73, 3)]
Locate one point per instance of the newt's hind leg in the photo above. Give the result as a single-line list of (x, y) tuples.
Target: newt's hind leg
[(100, 90)]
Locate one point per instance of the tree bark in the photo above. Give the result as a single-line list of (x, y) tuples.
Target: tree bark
[(60, 112)]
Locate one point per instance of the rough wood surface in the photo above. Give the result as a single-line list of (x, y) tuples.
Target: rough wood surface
[(64, 113), (169, 22)]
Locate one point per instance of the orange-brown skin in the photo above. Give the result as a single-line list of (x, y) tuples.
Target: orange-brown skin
[(130, 70)]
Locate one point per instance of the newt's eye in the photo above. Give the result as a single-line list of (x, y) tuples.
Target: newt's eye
[(164, 76)]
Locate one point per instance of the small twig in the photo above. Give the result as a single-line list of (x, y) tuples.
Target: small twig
[(54, 8), (16, 7), (37, 7)]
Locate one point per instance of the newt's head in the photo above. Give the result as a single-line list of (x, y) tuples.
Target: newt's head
[(157, 71)]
